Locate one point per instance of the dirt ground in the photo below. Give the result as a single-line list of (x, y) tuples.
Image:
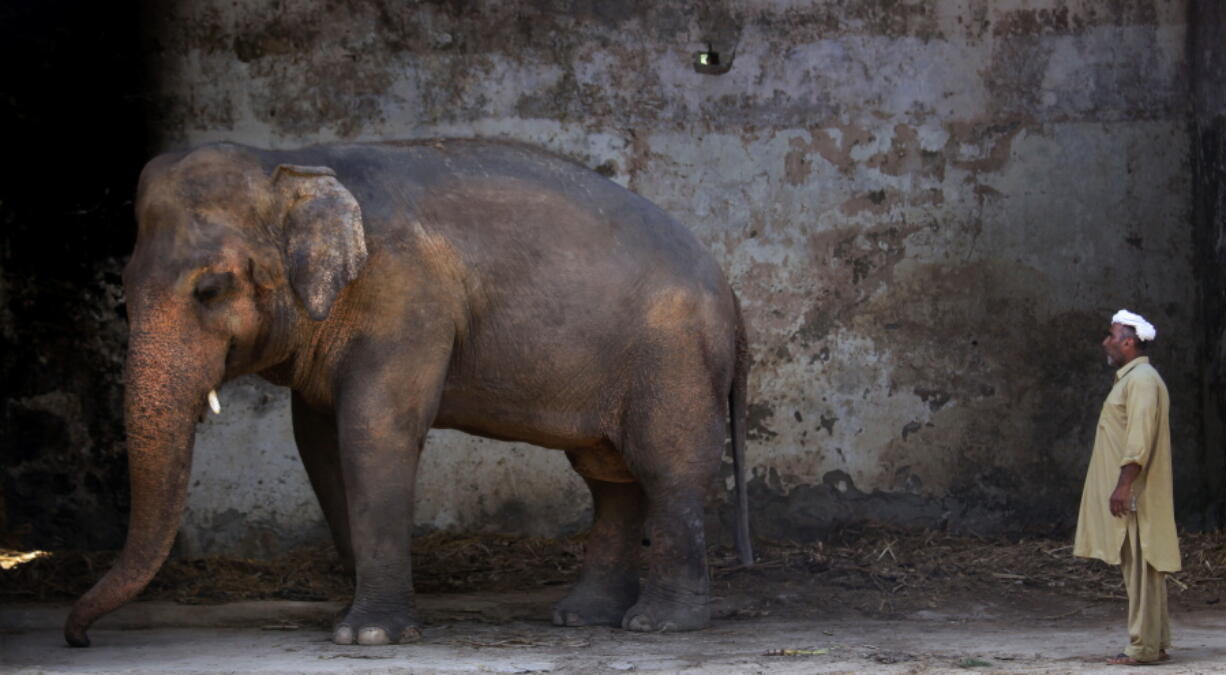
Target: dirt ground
[(864, 600)]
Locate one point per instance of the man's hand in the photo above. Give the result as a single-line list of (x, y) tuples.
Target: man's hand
[(1121, 499)]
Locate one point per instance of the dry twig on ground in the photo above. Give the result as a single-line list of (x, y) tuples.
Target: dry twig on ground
[(890, 564)]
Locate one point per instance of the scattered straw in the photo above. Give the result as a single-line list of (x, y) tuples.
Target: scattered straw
[(893, 561), (886, 563)]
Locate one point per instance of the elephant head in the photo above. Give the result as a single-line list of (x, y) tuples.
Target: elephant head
[(236, 262)]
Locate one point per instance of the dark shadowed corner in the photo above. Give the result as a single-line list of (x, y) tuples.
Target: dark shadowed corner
[(75, 112)]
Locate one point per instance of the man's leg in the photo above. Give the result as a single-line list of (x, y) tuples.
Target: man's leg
[(1146, 590), (1166, 618)]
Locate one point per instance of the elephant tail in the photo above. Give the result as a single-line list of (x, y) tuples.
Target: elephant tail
[(737, 415)]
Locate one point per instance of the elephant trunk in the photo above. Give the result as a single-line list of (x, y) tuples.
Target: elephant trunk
[(163, 398)]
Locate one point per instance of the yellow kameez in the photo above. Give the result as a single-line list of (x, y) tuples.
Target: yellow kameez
[(1133, 428)]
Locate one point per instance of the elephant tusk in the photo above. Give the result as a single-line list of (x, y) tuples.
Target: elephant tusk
[(214, 403)]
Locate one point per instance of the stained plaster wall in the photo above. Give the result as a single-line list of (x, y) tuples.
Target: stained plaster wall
[(929, 210), (1207, 49)]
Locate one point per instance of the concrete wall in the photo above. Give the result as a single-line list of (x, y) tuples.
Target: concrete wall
[(930, 210), (1207, 48)]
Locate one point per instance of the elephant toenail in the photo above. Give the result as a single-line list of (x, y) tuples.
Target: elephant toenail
[(343, 635), (668, 626), (639, 623), (373, 636), (410, 634)]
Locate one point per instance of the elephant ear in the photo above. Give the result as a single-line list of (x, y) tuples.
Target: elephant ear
[(322, 234)]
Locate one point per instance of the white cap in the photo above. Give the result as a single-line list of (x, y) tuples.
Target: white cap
[(1145, 330)]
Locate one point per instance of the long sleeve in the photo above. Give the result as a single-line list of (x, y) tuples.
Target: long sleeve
[(1144, 414)]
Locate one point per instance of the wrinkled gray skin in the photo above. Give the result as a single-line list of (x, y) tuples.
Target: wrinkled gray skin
[(480, 286)]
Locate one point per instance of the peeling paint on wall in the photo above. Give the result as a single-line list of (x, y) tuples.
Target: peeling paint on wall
[(929, 209)]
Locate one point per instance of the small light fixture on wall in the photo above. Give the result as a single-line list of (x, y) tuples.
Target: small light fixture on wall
[(712, 62)]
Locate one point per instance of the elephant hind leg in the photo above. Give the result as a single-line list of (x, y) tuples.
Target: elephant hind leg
[(609, 582), (675, 449)]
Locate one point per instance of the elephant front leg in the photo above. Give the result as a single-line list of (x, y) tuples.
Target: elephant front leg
[(380, 440)]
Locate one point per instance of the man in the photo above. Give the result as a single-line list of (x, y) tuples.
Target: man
[(1127, 512)]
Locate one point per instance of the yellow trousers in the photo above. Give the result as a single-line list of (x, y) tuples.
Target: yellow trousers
[(1149, 627)]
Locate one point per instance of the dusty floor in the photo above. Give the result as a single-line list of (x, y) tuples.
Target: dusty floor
[(509, 632), (865, 601)]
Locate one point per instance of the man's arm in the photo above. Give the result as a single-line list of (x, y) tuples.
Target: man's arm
[(1121, 497)]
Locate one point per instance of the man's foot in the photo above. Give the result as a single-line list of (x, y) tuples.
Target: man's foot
[(1126, 660)]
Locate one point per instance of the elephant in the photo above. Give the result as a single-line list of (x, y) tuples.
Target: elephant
[(479, 285)]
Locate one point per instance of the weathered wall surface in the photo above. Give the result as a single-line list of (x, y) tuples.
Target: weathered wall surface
[(930, 210), (1207, 48)]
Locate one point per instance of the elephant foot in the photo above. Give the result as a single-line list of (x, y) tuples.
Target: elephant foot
[(376, 627), (591, 604), (662, 611), (340, 616)]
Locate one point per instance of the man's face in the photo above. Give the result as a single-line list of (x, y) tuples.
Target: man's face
[(1113, 345)]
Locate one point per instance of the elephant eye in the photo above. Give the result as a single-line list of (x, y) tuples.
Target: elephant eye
[(213, 286)]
